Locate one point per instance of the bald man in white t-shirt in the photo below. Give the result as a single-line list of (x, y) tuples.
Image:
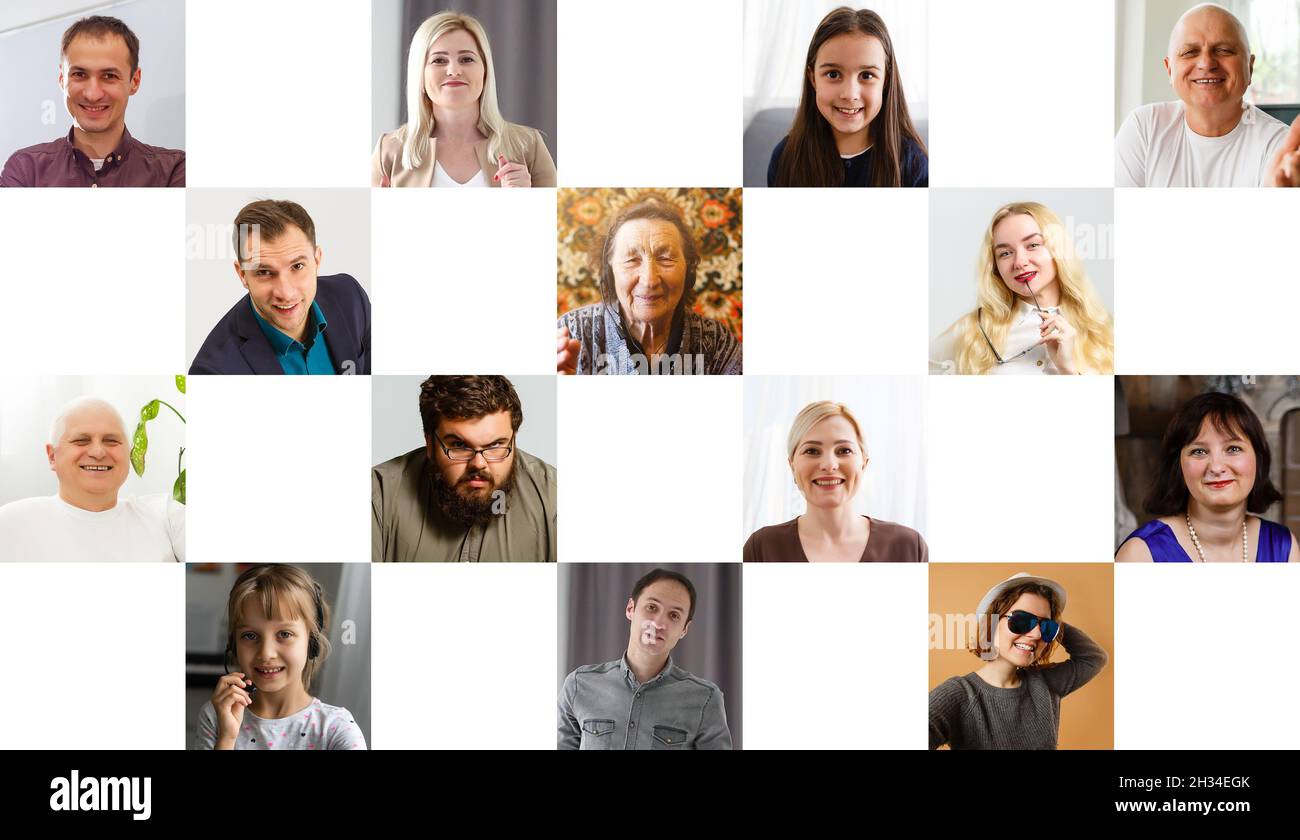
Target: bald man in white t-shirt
[(1211, 137), (88, 520)]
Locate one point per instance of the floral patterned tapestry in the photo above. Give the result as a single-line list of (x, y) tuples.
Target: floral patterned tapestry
[(712, 214)]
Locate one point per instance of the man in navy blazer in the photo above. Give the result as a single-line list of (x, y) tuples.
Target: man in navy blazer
[(292, 321)]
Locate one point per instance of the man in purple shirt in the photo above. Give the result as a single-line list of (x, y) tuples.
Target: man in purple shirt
[(99, 72)]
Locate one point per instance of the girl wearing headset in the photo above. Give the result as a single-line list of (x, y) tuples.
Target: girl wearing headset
[(277, 618)]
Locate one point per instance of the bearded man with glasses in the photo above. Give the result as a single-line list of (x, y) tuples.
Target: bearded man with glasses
[(468, 494)]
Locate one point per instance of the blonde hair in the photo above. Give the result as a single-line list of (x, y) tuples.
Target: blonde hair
[(504, 138), (286, 591), (814, 413), (1094, 346)]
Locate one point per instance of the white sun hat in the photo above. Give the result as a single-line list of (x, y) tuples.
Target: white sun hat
[(1020, 579)]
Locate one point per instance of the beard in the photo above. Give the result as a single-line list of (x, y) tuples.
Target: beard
[(467, 507)]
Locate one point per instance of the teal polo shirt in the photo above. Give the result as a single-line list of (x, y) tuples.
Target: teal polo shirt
[(310, 356)]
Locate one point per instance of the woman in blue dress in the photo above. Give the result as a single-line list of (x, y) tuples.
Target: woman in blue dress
[(1213, 475)]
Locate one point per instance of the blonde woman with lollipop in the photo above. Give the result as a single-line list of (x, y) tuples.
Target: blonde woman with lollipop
[(1038, 312)]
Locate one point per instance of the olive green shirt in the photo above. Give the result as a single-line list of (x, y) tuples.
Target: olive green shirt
[(409, 526)]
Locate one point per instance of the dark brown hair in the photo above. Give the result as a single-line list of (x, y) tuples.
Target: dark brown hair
[(1004, 602), (467, 398), (272, 219), (1228, 415), (810, 157), (652, 207), (664, 574), (102, 26)]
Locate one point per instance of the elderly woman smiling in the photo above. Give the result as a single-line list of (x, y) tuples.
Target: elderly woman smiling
[(644, 324), (827, 459)]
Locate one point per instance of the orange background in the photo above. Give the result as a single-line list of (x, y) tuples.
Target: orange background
[(1087, 715)]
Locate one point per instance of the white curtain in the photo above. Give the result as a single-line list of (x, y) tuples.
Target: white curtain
[(1130, 45), (1273, 27), (777, 33), (891, 412)]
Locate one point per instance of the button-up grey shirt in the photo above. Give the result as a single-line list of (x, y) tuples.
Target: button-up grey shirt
[(603, 707)]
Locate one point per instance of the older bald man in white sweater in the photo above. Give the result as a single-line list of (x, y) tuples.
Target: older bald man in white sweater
[(1210, 137), (88, 519)]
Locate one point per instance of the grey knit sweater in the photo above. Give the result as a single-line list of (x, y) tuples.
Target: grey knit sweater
[(966, 713)]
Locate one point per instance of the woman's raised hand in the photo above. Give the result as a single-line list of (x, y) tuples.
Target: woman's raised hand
[(1056, 333), (512, 174)]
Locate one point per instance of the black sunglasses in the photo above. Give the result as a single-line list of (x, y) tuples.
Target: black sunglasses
[(1021, 622)]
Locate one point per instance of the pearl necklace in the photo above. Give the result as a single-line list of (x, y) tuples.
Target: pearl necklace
[(1245, 554)]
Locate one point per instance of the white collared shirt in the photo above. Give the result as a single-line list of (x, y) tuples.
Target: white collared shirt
[(1023, 334)]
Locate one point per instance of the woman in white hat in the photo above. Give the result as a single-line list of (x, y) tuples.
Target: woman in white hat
[(1014, 700)]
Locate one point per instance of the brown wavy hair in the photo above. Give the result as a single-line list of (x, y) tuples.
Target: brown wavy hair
[(467, 398), (810, 157)]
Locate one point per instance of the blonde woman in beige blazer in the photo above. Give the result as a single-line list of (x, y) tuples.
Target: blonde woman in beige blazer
[(457, 136)]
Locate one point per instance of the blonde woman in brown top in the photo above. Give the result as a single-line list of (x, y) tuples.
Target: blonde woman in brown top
[(827, 458)]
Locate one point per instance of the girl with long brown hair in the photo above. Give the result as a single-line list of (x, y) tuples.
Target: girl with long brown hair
[(852, 128)]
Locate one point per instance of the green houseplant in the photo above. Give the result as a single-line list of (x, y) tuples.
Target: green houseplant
[(140, 441)]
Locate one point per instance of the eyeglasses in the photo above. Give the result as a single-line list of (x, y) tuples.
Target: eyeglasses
[(980, 319), (1021, 622), (460, 454)]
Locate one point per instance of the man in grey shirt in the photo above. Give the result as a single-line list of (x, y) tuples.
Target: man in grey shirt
[(468, 494), (642, 701)]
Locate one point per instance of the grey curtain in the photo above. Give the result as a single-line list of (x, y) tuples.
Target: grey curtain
[(522, 37), (345, 678), (593, 627)]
